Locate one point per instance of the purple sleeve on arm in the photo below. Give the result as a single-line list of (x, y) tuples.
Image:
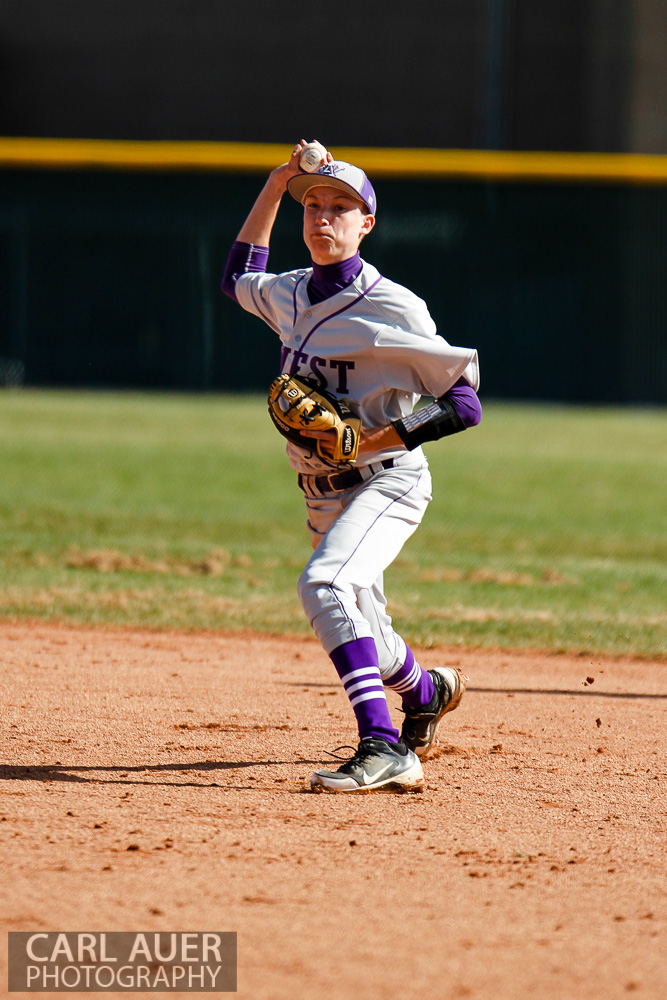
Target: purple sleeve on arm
[(465, 401), (243, 258)]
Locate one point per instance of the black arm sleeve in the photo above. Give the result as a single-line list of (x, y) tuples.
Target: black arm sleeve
[(431, 423)]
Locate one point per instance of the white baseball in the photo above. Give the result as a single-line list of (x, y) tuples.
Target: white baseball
[(312, 157)]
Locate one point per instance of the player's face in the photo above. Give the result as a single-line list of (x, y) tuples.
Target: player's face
[(334, 223)]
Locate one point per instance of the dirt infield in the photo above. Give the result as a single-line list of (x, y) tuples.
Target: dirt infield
[(153, 781)]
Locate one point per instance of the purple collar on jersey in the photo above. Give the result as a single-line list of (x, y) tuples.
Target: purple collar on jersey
[(328, 279)]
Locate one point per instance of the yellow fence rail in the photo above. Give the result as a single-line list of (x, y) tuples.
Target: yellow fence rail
[(251, 157)]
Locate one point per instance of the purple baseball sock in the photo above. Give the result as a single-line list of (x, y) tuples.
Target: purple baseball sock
[(414, 684), (357, 665)]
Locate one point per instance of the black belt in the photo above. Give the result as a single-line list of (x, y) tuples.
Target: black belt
[(339, 481)]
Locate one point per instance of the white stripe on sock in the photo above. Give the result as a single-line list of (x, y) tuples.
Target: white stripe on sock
[(361, 672), (369, 696), (372, 682), (408, 682)]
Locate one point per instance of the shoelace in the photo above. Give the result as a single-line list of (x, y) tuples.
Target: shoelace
[(336, 756)]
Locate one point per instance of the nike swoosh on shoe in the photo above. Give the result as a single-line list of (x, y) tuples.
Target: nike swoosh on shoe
[(377, 774)]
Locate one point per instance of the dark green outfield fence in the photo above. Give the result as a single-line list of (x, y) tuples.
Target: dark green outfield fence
[(112, 279)]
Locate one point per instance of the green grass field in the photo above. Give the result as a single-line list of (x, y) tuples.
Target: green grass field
[(548, 526)]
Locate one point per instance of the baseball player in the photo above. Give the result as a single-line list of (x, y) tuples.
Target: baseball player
[(372, 343)]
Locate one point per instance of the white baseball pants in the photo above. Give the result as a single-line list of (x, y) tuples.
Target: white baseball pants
[(359, 533)]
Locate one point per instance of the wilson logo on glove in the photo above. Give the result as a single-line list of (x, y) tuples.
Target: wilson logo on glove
[(295, 404), (349, 441)]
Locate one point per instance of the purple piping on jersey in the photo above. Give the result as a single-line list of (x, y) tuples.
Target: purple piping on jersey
[(329, 279), (339, 311), (294, 297), (243, 258)]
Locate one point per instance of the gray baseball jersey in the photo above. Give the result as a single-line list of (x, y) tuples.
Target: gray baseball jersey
[(373, 344)]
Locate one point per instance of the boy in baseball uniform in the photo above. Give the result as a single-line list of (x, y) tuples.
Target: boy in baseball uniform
[(372, 343)]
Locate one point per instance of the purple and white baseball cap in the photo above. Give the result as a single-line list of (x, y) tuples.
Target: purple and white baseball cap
[(338, 174)]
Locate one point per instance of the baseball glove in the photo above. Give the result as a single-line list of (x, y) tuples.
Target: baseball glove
[(295, 405)]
